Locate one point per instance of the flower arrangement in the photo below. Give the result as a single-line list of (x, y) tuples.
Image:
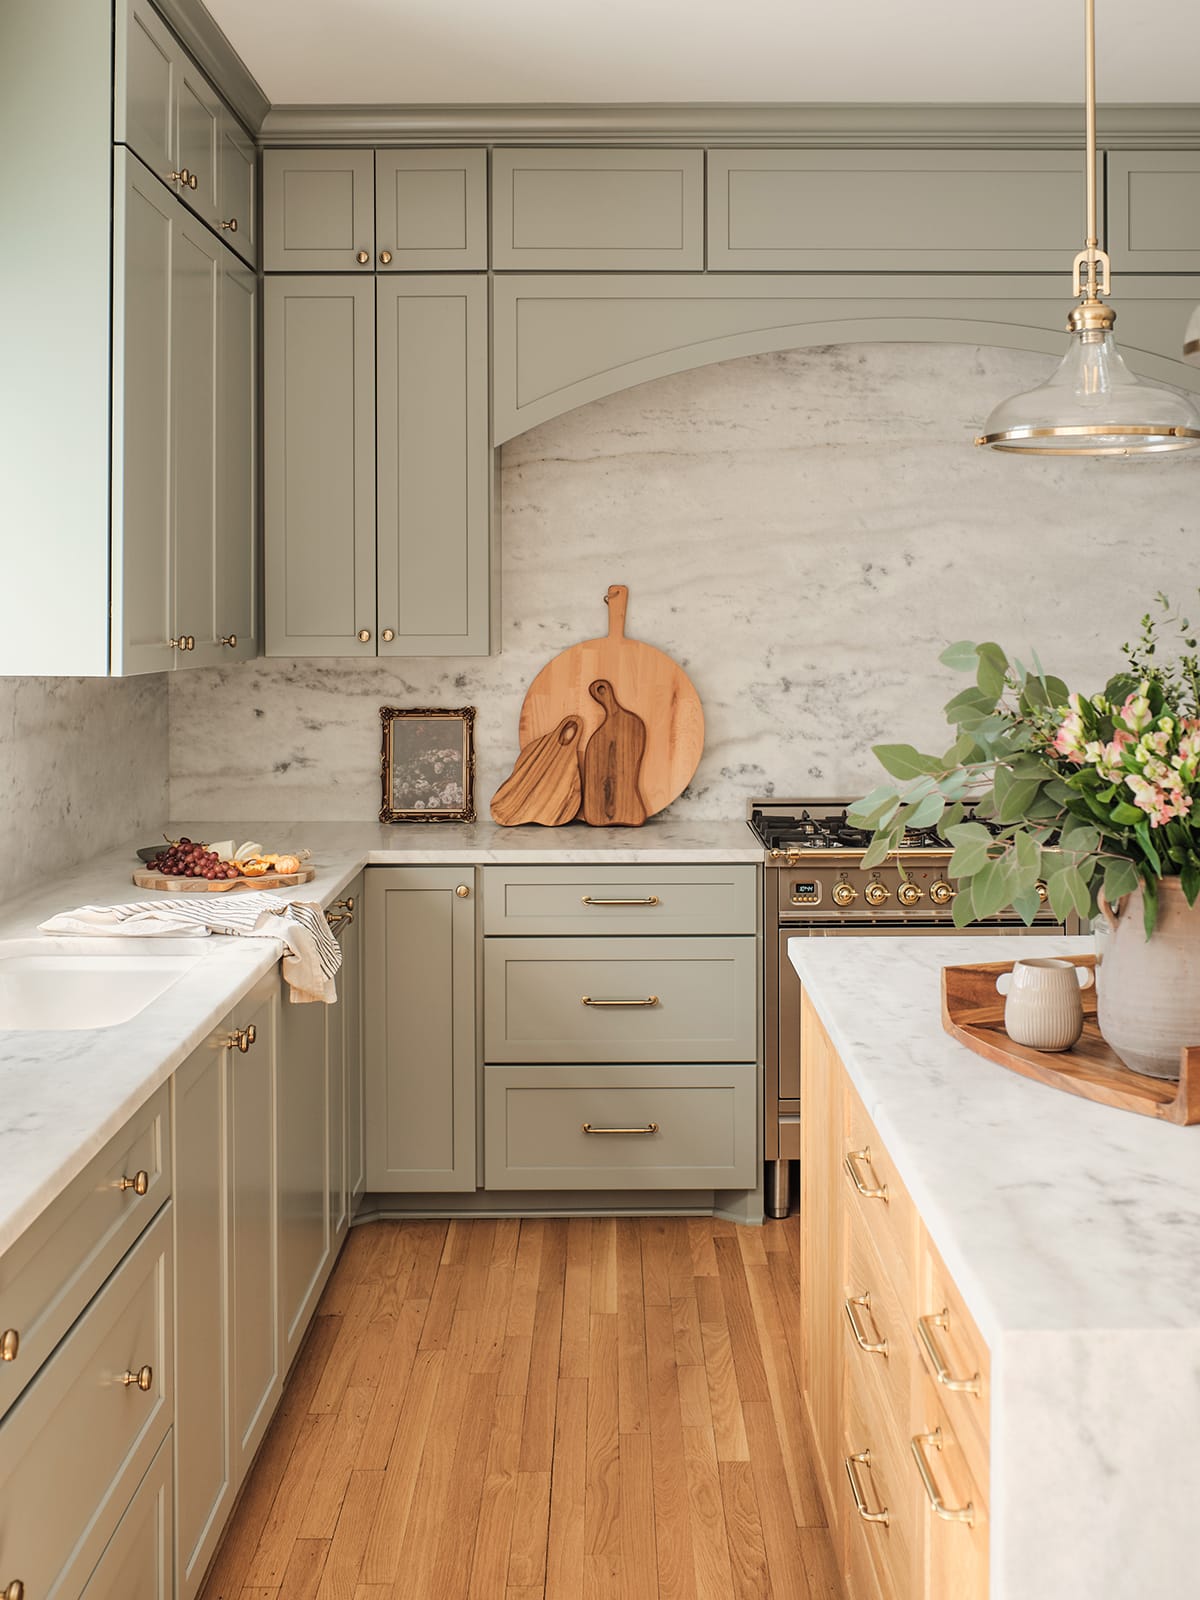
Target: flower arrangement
[(1090, 795)]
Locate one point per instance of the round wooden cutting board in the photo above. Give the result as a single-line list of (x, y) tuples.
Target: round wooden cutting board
[(646, 682), (269, 880)]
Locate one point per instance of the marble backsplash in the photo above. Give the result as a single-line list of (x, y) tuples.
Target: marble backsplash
[(83, 766), (803, 532)]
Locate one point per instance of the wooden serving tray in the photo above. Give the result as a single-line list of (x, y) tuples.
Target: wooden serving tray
[(269, 880), (973, 1013)]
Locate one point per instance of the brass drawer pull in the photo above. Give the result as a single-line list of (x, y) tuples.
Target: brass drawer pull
[(338, 923), (143, 1377), (872, 1191), (850, 1306), (937, 1361), (648, 1131), (10, 1343), (862, 1458), (139, 1183), (947, 1513), (242, 1038), (650, 1000), (599, 900)]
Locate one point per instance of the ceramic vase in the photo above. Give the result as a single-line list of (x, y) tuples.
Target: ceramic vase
[(1148, 990)]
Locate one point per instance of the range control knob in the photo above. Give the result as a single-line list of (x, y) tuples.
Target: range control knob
[(1043, 894), (941, 893), (908, 893), (844, 894), (876, 893)]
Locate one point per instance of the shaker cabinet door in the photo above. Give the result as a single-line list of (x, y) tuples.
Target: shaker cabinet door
[(144, 102), (431, 210), (200, 114), (235, 552), (196, 272), (433, 456), (235, 190), (319, 211), (319, 462)]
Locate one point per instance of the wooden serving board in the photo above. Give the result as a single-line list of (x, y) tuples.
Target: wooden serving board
[(269, 880), (973, 1013), (645, 681)]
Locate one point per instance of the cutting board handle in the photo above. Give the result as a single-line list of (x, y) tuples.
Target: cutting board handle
[(617, 599)]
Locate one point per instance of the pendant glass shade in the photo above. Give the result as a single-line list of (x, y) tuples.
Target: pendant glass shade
[(1093, 405), (1191, 339)]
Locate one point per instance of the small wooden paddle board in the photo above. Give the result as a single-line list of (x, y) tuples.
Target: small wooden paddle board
[(544, 785), (612, 764)]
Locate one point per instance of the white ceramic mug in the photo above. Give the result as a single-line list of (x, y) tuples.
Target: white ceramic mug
[(1043, 1007)]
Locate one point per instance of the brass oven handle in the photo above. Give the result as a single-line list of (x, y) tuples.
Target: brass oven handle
[(139, 1183), (648, 1131), (602, 900), (874, 1191), (853, 1462), (873, 1348), (143, 1377), (932, 1493), (937, 1361), (650, 1000)]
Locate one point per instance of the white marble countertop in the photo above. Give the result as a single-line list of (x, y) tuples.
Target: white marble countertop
[(64, 1094), (1073, 1232)]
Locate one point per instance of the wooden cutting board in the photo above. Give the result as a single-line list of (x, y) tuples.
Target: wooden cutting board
[(645, 681), (612, 764), (544, 785), (269, 880)]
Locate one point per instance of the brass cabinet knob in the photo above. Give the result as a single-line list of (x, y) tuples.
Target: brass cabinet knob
[(178, 644), (183, 176), (10, 1343), (344, 905), (143, 1377), (15, 1591), (139, 1183), (388, 635), (363, 257), (231, 225), (462, 891), (192, 180), (386, 257), (242, 1038), (231, 640), (364, 635)]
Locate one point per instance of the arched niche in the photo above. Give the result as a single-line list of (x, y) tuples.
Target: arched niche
[(562, 341)]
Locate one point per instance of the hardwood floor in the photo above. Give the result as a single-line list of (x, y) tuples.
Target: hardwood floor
[(541, 1409)]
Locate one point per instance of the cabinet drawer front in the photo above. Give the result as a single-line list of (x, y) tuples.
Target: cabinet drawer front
[(884, 1377), (631, 899), (1154, 210), (614, 1000), (949, 1341), (844, 210), (876, 1199), (57, 1265), (955, 1550), (81, 1439), (137, 1562), (431, 210), (887, 1550), (318, 211), (681, 1127), (568, 210)]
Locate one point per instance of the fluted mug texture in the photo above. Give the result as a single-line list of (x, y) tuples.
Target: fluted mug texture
[(1043, 1007)]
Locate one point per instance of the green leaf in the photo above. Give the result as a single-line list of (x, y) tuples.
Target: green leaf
[(971, 842), (1143, 838), (1129, 816), (1120, 878), (952, 818), (1079, 838), (1189, 881), (1068, 892), (963, 910), (969, 708), (962, 657), (874, 809), (881, 846), (991, 888), (1027, 904), (993, 665), (1029, 852), (902, 761), (1014, 795), (927, 813), (1149, 906)]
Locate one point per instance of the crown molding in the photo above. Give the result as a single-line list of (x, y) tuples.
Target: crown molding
[(204, 41), (1008, 126)]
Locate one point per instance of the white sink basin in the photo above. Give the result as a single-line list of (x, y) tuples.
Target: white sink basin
[(67, 984)]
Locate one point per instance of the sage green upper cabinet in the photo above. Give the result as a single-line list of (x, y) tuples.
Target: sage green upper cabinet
[(237, 163), (591, 210), (233, 625), (917, 211), (1154, 210), (200, 116), (319, 465), (148, 62), (318, 210), (431, 210)]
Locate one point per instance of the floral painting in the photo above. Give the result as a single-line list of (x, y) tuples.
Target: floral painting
[(428, 765)]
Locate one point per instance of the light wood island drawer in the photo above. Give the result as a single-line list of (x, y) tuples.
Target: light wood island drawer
[(876, 1199), (629, 899), (887, 1485), (620, 1000), (82, 1436), (956, 1358), (640, 1127), (57, 1265), (952, 1505), (877, 1324)]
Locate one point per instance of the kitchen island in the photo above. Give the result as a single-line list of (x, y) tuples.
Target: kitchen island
[(1072, 1232)]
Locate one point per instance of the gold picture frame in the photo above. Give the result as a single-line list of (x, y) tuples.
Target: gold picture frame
[(428, 767)]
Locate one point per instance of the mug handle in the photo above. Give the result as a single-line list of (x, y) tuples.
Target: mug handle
[(1086, 976), (1004, 982)]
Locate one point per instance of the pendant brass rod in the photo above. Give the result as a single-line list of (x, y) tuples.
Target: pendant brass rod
[(1089, 50)]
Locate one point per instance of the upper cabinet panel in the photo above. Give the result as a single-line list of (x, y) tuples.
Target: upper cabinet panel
[(200, 114), (147, 64), (431, 210), (318, 210), (236, 190), (597, 210), (1154, 210), (920, 211)]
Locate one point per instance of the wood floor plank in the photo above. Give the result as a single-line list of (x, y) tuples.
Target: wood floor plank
[(749, 1572), (431, 1238), (392, 1387), (639, 1554), (672, 1522), (287, 1511), (459, 1503), (498, 1501), (739, 1318), (523, 1302), (443, 1302), (339, 1578), (565, 1547), (784, 1392), (488, 1355), (656, 1272), (725, 1402), (685, 1318), (381, 1561), (695, 1410), (704, 1257), (531, 1528), (780, 1536), (422, 1536), (537, 1432), (305, 1569), (774, 1234), (604, 1266), (577, 1300), (680, 1274), (602, 1511), (324, 1504), (632, 1393)]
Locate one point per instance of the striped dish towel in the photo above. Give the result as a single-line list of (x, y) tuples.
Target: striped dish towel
[(311, 954)]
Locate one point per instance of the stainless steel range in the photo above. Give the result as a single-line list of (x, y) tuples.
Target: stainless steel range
[(815, 885)]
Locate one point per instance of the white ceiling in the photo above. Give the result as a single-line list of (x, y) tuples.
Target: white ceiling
[(420, 52)]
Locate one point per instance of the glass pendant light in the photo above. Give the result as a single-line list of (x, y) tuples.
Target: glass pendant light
[(1093, 405)]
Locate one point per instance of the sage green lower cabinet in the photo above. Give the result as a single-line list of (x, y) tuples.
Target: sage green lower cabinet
[(305, 1237), (138, 1563), (226, 1304), (620, 999), (350, 1007), (419, 1026), (648, 1126)]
